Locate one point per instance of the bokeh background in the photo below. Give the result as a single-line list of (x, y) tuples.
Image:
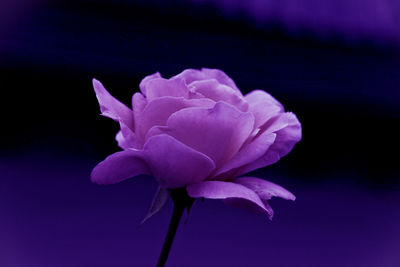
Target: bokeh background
[(335, 63)]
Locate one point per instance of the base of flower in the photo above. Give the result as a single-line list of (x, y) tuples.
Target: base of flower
[(181, 201)]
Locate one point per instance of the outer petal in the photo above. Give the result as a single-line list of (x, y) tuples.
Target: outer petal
[(249, 153), (218, 132), (160, 199), (162, 87), (126, 138), (225, 191), (174, 164), (160, 109), (287, 136), (111, 107), (216, 91), (118, 167), (220, 76), (263, 106), (139, 102), (265, 189), (191, 75), (288, 132), (146, 79)]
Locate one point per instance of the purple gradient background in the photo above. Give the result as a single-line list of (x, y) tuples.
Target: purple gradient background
[(55, 217), (337, 68), (353, 20)]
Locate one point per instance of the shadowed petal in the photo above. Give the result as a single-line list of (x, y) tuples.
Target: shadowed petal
[(220, 76), (249, 153), (146, 79), (216, 91), (280, 122), (118, 167), (225, 191), (126, 138), (218, 132), (160, 199), (139, 103), (162, 87), (288, 132), (174, 164), (264, 189), (191, 75), (263, 106), (160, 109), (111, 107)]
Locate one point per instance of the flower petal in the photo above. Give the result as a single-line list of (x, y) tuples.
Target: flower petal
[(263, 106), (146, 79), (118, 167), (216, 91), (287, 136), (264, 189), (249, 153), (139, 103), (218, 132), (162, 87), (191, 75), (220, 76), (111, 107), (160, 109), (174, 164), (288, 132), (160, 199), (226, 191), (126, 138)]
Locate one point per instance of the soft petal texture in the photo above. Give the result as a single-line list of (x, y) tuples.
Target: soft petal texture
[(160, 199), (174, 164), (264, 189), (160, 87), (212, 89), (111, 107), (160, 109), (191, 75), (287, 136), (225, 190), (249, 153), (146, 79), (288, 132), (263, 106), (118, 167), (197, 130), (139, 103), (218, 132), (126, 138)]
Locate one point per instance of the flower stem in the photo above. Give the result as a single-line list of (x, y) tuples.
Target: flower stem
[(181, 201)]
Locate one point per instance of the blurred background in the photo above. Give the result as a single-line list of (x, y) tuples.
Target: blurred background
[(334, 63)]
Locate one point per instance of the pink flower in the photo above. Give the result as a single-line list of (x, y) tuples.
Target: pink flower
[(197, 130)]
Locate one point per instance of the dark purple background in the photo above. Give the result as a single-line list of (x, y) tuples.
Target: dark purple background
[(55, 217), (339, 73)]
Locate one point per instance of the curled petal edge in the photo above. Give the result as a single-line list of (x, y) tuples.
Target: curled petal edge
[(231, 193), (118, 167), (264, 189), (111, 107)]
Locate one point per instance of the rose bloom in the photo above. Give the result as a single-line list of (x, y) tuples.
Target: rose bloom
[(197, 130)]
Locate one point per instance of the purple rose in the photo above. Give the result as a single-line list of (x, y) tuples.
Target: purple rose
[(197, 130)]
